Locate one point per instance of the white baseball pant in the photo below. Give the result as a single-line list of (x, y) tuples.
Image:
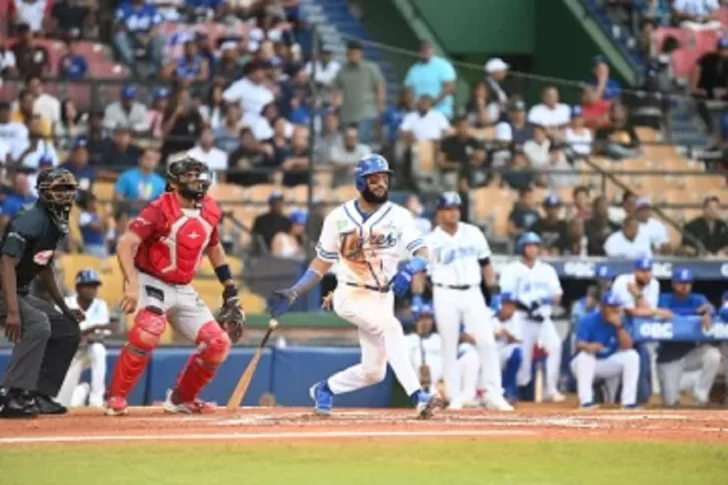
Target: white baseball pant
[(624, 364), (92, 356), (704, 359), (546, 337)]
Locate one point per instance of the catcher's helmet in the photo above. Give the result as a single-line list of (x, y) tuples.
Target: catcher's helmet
[(88, 277), (369, 165), (449, 200), (525, 240), (185, 164)]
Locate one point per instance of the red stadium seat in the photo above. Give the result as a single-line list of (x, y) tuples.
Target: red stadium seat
[(723, 16), (683, 61), (684, 36), (706, 41)]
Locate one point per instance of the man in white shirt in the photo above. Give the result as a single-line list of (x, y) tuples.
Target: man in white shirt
[(326, 67), (31, 12), (424, 124), (630, 242), (537, 149), (550, 113), (651, 226), (13, 133), (215, 159), (250, 91), (49, 107), (127, 111), (697, 14)]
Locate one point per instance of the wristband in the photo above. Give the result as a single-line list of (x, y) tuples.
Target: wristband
[(309, 279), (229, 292), (224, 273)]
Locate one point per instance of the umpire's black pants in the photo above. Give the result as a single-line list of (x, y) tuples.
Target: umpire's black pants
[(48, 342)]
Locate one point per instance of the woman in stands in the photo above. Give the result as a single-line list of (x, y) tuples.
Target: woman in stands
[(481, 109), (290, 245), (72, 125)]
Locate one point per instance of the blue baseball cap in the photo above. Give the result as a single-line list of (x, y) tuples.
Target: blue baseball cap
[(610, 298), (45, 161), (682, 275), (128, 92), (576, 111), (603, 272), (275, 197), (551, 201), (79, 142), (723, 42), (159, 93), (643, 264), (298, 217), (596, 60)]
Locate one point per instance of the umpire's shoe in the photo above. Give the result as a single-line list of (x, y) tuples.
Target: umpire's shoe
[(18, 404), (47, 405)]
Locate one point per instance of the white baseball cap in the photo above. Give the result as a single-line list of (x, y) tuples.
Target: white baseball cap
[(495, 65), (503, 132)]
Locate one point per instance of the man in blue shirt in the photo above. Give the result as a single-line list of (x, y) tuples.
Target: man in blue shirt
[(78, 165), (435, 77), (136, 29), (605, 351), (140, 185), (20, 198), (675, 359)]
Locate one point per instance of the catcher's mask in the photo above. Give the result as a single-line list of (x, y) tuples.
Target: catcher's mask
[(189, 177), (57, 189)]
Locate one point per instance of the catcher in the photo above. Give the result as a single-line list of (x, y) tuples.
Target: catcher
[(158, 256)]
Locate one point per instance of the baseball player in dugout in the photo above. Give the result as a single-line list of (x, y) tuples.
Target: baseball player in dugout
[(45, 339), (158, 255), (365, 236), (460, 260)]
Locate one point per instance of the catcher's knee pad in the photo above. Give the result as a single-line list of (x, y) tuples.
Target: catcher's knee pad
[(149, 325), (213, 344)]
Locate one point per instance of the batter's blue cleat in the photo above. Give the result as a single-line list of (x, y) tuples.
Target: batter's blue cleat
[(588, 406), (322, 397), (425, 404), (631, 407)]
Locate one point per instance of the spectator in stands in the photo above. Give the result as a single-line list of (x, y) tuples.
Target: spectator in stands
[(629, 242), (521, 129), (127, 111), (189, 67), (92, 226), (198, 10), (205, 151), (31, 57), (182, 124), (652, 227), (345, 155), (226, 134), (71, 125), (454, 154), (119, 152), (619, 140), (552, 228), (578, 136), (604, 87), (598, 227), (326, 67), (155, 113), (433, 76), (290, 244), (31, 13), (394, 115), (551, 114), (518, 174), (8, 64), (44, 104), (78, 165), (709, 80), (576, 240), (228, 67), (707, 233), (136, 35), (500, 150), (697, 14), (72, 18), (329, 138), (360, 92), (537, 149), (295, 164), (250, 91), (482, 109), (594, 108), (496, 72), (72, 66), (138, 186), (35, 151), (524, 214), (581, 207), (246, 161), (655, 11), (11, 132), (21, 197), (262, 125), (26, 114), (213, 110), (97, 136), (628, 208), (475, 172), (424, 123), (267, 225), (559, 172)]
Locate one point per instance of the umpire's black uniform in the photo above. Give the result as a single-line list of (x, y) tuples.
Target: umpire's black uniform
[(49, 339)]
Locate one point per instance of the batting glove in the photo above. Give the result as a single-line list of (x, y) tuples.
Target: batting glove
[(281, 301), (402, 280)]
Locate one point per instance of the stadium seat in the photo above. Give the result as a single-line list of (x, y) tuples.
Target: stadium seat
[(684, 36), (425, 157), (227, 193), (487, 133), (723, 16), (104, 191), (345, 193), (492, 205), (706, 40), (683, 61), (258, 194)]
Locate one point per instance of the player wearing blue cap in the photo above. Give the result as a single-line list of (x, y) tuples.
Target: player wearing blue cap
[(425, 355), (509, 336), (589, 303), (686, 366), (604, 350)]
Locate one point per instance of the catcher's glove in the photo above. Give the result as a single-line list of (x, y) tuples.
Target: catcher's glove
[(231, 316)]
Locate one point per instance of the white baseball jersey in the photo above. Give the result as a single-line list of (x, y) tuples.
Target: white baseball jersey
[(368, 246), (97, 313), (513, 326), (531, 284), (454, 258), (651, 292), (431, 346)]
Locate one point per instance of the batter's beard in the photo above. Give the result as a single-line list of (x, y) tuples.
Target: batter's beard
[(373, 198)]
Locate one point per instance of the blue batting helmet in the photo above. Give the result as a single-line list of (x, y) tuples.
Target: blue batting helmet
[(367, 166), (449, 200), (682, 275), (525, 240), (87, 277)]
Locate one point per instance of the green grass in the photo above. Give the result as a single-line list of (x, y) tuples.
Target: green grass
[(403, 462)]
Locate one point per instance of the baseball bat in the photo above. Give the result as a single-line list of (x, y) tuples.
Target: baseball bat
[(538, 380), (244, 382)]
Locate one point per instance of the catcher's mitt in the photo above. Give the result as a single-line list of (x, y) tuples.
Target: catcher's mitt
[(232, 319)]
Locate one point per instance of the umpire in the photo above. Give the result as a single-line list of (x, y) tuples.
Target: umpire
[(45, 340)]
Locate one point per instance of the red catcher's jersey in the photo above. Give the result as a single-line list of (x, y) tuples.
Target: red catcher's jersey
[(175, 239)]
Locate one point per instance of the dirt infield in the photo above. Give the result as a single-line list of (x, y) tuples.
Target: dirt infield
[(533, 422)]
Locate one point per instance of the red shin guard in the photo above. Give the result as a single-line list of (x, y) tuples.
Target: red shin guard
[(213, 346), (149, 325)]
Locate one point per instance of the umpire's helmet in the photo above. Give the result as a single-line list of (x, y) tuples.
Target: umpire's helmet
[(367, 166), (448, 200), (525, 240), (57, 189), (88, 277)]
